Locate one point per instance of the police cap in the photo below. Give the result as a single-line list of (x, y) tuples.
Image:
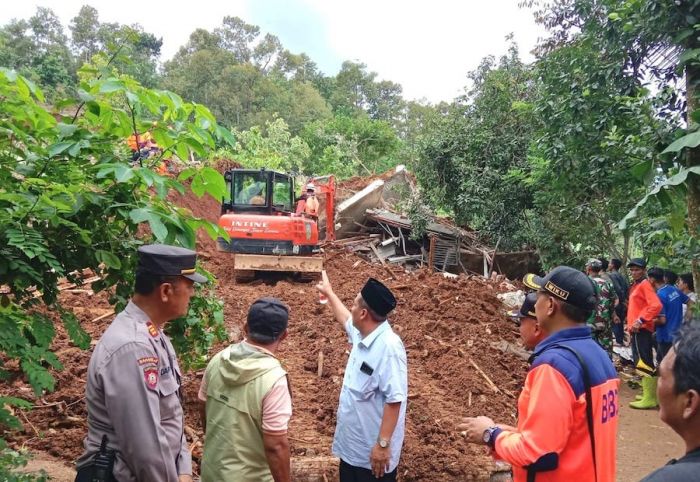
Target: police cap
[(165, 260)]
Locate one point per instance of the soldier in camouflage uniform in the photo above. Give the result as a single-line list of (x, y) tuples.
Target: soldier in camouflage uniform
[(601, 320)]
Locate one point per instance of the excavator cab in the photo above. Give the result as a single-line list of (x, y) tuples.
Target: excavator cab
[(264, 192), (265, 233)]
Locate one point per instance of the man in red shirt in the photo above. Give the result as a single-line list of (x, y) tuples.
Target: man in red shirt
[(642, 308), (567, 411)]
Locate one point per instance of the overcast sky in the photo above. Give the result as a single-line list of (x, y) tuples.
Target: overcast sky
[(426, 46)]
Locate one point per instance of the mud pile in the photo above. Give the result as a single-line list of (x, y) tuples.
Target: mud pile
[(449, 328)]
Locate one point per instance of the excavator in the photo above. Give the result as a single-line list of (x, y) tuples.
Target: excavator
[(266, 229)]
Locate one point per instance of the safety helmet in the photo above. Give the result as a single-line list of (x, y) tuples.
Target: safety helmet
[(310, 187)]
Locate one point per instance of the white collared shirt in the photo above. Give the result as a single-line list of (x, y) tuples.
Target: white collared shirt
[(376, 374)]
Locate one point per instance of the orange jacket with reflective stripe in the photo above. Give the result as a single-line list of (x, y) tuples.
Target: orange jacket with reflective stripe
[(552, 436), (643, 303)]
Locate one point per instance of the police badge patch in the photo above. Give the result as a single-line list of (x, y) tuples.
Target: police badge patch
[(152, 330), (150, 374), (148, 360)]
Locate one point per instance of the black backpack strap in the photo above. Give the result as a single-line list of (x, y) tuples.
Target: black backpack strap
[(589, 400)]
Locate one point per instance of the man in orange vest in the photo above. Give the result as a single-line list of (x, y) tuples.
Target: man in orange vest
[(642, 309), (568, 409), (311, 206), (308, 203)]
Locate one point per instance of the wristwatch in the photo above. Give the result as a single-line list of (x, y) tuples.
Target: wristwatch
[(383, 443), (490, 435)]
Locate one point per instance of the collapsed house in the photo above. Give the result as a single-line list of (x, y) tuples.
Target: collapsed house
[(371, 221)]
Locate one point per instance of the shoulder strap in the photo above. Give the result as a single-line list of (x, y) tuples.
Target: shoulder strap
[(589, 400)]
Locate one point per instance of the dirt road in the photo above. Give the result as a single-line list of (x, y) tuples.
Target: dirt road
[(644, 442)]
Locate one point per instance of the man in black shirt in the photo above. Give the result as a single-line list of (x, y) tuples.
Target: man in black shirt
[(621, 286), (679, 400)]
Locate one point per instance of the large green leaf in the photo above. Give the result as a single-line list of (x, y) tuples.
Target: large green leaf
[(641, 170), (59, 147), (676, 180), (109, 259), (111, 85), (157, 227), (689, 140)]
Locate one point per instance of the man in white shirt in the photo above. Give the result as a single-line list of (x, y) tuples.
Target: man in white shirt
[(372, 410)]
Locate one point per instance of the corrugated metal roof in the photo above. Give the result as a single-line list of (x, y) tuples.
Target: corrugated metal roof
[(443, 230)]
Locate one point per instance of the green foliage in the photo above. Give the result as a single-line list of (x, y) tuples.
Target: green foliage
[(356, 91), (348, 146), (273, 147), (596, 127), (657, 42), (246, 80), (420, 215), (689, 140), (11, 461), (70, 200), (194, 334), (38, 48), (474, 161)]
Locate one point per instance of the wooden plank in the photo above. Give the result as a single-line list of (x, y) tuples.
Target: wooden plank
[(431, 254), (376, 253), (314, 469), (486, 377), (402, 259)]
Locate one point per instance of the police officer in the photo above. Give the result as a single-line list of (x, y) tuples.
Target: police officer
[(133, 388)]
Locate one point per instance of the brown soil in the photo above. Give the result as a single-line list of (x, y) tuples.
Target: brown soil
[(445, 324)]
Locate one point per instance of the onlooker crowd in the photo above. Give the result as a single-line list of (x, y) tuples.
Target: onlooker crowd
[(568, 409)]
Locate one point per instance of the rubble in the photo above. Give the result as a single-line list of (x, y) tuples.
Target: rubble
[(373, 205), (462, 352)]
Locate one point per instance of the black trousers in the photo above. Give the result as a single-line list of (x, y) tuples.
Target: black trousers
[(619, 328), (662, 348), (643, 347), (350, 473)]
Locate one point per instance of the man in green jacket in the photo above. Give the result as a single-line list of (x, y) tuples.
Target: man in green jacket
[(248, 403)]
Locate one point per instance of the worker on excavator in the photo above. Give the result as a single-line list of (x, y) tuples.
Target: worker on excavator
[(308, 203)]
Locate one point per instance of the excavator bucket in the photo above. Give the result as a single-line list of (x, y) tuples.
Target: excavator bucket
[(267, 262)]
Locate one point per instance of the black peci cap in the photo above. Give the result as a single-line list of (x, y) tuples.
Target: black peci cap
[(378, 297), (267, 319), (568, 284), (165, 260)]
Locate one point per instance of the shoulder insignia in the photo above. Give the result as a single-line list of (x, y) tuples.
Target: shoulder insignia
[(150, 374), (152, 330), (148, 360)]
